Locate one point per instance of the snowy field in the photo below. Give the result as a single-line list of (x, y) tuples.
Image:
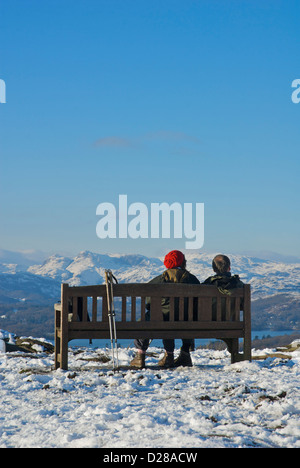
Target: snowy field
[(214, 404)]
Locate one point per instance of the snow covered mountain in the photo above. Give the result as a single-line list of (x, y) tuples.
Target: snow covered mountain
[(267, 278)]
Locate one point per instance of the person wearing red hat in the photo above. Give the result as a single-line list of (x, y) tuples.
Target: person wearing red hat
[(174, 259), (176, 272)]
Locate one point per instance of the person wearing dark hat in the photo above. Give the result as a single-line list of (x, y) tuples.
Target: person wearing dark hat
[(176, 272)]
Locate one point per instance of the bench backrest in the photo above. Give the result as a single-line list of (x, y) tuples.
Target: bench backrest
[(187, 302)]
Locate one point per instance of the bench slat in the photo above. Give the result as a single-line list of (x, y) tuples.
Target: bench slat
[(156, 334), (94, 310), (133, 308), (158, 324), (237, 308), (172, 309), (75, 309), (204, 309), (141, 289), (190, 309), (143, 308)]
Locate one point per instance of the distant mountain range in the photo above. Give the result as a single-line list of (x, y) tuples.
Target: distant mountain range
[(266, 277), (28, 289)]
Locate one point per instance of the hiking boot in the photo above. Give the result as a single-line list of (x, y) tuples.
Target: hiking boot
[(138, 361), (167, 360), (184, 359)]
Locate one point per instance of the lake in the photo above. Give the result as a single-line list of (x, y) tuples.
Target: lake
[(158, 343)]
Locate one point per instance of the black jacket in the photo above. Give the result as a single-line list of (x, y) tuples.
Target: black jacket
[(225, 283)]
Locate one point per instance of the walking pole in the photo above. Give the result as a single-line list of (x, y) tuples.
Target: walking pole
[(111, 314), (113, 278), (107, 278)]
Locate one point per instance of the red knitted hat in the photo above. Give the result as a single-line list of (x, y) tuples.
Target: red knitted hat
[(174, 259)]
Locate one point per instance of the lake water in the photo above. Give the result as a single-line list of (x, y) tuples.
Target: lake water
[(158, 343)]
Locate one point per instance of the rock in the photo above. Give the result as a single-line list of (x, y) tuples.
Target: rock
[(29, 345)]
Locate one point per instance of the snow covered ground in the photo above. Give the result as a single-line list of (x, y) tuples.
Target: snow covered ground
[(214, 404)]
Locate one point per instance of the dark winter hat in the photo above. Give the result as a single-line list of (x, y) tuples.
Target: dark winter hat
[(174, 259)]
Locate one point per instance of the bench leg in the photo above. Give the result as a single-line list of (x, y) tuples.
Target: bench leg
[(235, 356), (64, 354), (247, 348), (56, 338), (61, 353), (56, 351), (63, 340)]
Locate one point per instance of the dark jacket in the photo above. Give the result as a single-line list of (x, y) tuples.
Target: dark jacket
[(225, 282), (173, 275)]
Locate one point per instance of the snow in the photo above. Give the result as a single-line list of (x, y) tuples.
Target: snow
[(213, 404)]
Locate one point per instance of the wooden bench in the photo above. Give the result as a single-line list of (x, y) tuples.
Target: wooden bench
[(83, 314)]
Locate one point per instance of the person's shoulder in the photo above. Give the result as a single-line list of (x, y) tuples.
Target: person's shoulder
[(209, 280), (158, 279), (238, 281), (192, 278)]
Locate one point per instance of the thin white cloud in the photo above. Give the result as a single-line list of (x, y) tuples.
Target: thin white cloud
[(113, 142), (158, 136)]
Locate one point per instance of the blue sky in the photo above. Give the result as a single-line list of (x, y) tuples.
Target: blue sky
[(165, 101)]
